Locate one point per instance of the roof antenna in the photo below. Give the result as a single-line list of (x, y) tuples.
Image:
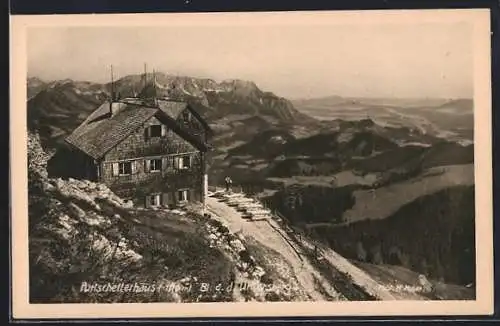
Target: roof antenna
[(154, 87), (112, 85), (145, 75)]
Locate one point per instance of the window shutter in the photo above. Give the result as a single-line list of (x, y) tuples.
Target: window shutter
[(190, 194), (177, 162), (164, 163), (147, 202), (147, 133), (147, 165), (133, 167), (163, 130), (114, 166)]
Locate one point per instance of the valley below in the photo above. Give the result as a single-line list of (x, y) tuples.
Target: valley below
[(386, 183)]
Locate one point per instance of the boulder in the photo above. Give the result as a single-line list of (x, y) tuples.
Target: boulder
[(102, 195), (258, 272), (76, 210), (128, 204), (424, 283), (237, 245), (47, 186)]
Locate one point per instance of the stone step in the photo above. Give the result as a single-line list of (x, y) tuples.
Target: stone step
[(234, 195), (251, 205), (260, 218), (259, 212), (239, 200)]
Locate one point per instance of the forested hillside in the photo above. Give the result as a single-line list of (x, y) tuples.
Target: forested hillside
[(434, 235)]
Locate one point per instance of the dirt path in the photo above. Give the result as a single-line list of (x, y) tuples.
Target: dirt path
[(265, 234)]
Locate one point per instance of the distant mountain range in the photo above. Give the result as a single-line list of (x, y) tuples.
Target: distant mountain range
[(57, 107), (463, 103), (451, 119)]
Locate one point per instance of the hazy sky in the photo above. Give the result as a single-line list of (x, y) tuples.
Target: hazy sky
[(411, 60)]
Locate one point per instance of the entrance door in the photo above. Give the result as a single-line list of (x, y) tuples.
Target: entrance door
[(153, 200)]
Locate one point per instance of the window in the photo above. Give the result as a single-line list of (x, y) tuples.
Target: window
[(154, 200), (182, 195), (155, 165), (125, 168), (155, 131), (186, 115), (185, 162)]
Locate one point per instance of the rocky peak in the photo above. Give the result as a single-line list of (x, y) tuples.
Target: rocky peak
[(242, 86)]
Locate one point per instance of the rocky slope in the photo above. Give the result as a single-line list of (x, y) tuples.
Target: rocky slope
[(82, 235)]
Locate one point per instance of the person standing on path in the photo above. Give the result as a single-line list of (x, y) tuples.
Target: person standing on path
[(229, 183)]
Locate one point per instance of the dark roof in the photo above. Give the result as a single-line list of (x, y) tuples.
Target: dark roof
[(168, 121), (156, 93), (207, 127), (101, 131), (172, 108)]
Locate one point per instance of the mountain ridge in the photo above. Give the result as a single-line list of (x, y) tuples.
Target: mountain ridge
[(57, 107)]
